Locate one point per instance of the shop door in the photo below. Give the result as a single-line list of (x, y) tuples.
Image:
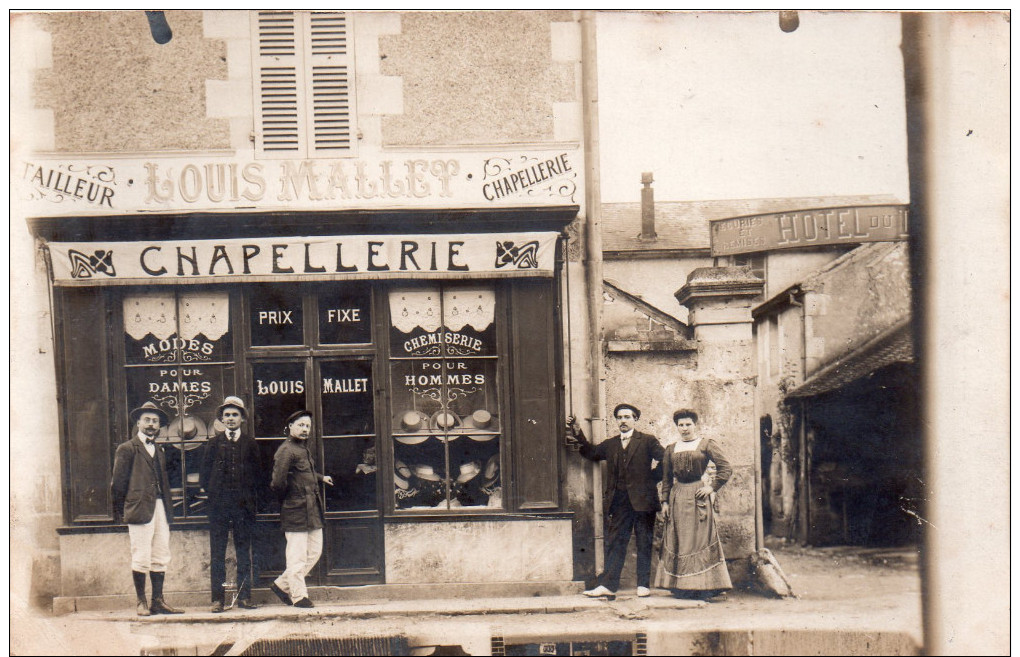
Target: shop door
[(311, 348)]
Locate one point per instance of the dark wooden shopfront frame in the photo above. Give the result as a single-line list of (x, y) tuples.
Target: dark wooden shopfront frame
[(533, 362)]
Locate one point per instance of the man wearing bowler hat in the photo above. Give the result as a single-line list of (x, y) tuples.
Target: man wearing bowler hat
[(297, 483), (630, 500), (229, 475), (140, 491)]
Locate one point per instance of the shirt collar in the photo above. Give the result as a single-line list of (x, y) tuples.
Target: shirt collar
[(627, 436), (145, 439)]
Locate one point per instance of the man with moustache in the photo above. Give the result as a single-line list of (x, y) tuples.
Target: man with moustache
[(140, 491), (229, 474), (630, 499), (301, 514)]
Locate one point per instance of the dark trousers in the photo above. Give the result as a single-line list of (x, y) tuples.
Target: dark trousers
[(622, 520), (221, 520)]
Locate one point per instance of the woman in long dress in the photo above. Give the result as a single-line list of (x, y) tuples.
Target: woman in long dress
[(692, 564)]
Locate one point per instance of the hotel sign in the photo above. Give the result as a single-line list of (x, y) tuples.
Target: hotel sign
[(807, 228), (304, 258)]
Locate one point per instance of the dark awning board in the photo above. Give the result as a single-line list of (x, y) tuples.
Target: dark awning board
[(244, 224), (895, 345)]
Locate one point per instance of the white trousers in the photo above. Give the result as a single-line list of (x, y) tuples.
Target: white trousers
[(303, 551), (150, 543)]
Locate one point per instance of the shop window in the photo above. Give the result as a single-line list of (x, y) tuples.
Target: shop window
[(178, 353), (445, 398), (304, 84), (469, 375)]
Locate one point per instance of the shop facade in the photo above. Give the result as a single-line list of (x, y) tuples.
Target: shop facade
[(323, 236)]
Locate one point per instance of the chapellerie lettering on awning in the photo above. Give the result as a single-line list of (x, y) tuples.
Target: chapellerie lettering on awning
[(304, 258)]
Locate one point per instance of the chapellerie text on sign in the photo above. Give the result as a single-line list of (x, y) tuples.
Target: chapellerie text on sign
[(806, 228), (304, 258)]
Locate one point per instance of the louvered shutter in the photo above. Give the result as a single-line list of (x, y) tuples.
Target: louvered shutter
[(305, 83), (330, 64)]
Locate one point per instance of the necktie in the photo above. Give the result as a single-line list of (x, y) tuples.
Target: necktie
[(233, 436)]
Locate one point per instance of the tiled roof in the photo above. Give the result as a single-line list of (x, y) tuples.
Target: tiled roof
[(894, 346), (684, 224)]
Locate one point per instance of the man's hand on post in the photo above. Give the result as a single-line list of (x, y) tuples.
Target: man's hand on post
[(573, 430)]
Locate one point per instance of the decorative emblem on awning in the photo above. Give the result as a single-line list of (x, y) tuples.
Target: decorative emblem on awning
[(86, 266)]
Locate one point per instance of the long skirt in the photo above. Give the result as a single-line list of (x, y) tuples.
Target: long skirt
[(692, 556)]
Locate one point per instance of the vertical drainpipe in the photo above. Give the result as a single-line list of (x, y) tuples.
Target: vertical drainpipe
[(593, 257)]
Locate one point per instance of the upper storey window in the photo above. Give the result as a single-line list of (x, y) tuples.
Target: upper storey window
[(304, 84)]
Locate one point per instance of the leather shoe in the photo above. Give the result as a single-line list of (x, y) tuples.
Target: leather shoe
[(217, 607), (280, 594), (304, 603), (159, 606), (600, 592), (246, 604), (143, 608)]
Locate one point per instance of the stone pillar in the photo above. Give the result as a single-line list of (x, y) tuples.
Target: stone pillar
[(719, 300)]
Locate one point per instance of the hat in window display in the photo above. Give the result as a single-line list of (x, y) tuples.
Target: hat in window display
[(187, 428), (492, 470), (480, 419), (413, 421), (444, 421), (401, 475), (426, 473), (469, 471)]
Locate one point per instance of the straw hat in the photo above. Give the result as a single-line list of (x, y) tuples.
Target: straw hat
[(444, 421), (469, 471), (426, 473), (480, 419), (492, 470), (413, 421)]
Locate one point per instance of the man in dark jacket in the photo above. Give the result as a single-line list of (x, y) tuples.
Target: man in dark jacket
[(140, 491), (630, 500), (297, 483), (229, 476)]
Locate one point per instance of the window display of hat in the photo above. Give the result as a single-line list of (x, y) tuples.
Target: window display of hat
[(469, 471), (481, 418), (426, 472), (413, 421), (444, 421)]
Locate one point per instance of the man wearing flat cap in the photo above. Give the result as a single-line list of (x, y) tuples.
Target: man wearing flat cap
[(630, 500), (140, 491), (297, 482), (229, 475)]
